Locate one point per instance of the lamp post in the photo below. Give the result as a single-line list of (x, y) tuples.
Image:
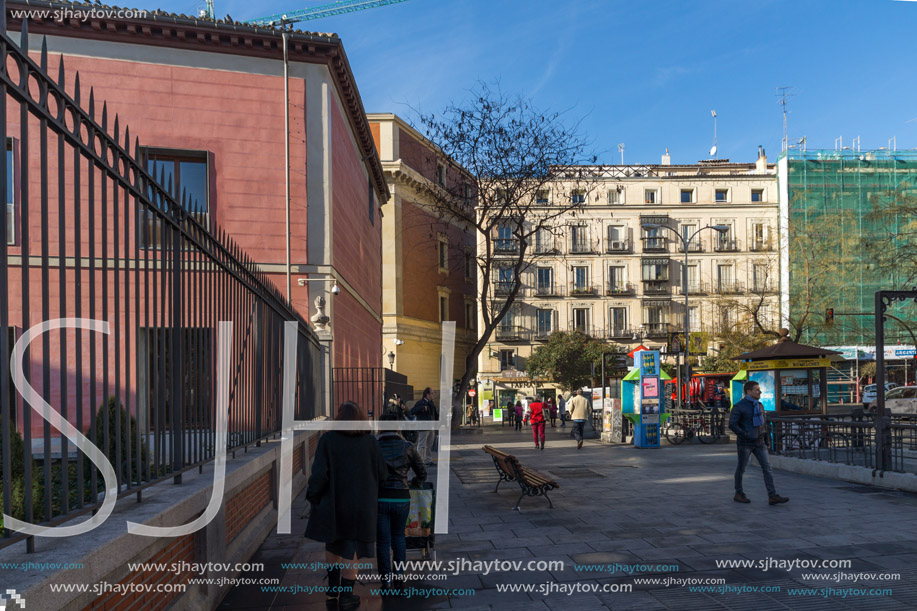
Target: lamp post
[(391, 360), (685, 242)]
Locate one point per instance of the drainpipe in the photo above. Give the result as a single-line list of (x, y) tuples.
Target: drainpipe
[(286, 144)]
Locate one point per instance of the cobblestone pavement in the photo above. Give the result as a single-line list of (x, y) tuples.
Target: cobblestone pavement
[(639, 509)]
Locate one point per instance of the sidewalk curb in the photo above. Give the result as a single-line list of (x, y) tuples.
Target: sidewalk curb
[(847, 473)]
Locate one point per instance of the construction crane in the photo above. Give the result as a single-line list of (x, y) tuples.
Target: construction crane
[(320, 12)]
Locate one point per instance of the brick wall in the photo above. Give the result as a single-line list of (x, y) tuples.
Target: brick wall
[(180, 550), (245, 505)]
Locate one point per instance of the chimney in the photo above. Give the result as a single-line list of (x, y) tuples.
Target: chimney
[(761, 163), (666, 159)]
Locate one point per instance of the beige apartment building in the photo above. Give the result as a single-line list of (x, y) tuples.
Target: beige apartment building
[(602, 272), (428, 269)]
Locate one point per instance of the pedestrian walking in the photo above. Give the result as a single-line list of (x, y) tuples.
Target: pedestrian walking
[(747, 422), (537, 416), (562, 410), (552, 409), (580, 411), (343, 489), (395, 501), (425, 411), (517, 410)]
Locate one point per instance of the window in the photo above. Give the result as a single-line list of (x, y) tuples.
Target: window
[(469, 266), (687, 196), (757, 195), (544, 320), (470, 318), (653, 239), (541, 197), (725, 319), (10, 195), (693, 278), (443, 253), (721, 195), (441, 175), (188, 173), (614, 197), (693, 320), (581, 279), (581, 320), (759, 236), (504, 280), (544, 281), (617, 317), (617, 279), (724, 278), (544, 241), (578, 196), (649, 196), (617, 238), (759, 277), (687, 231), (725, 241), (504, 241), (655, 270), (580, 239), (507, 359), (372, 203), (443, 308), (654, 319)]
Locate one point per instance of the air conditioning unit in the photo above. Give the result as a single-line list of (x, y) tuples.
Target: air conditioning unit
[(617, 245)]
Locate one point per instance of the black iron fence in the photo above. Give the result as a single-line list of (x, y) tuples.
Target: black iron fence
[(838, 440), (365, 386), (96, 229)]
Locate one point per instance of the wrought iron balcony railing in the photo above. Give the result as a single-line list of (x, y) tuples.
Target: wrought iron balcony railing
[(655, 244), (620, 289), (506, 246), (511, 333), (583, 290), (656, 287), (548, 290), (726, 245), (622, 246)]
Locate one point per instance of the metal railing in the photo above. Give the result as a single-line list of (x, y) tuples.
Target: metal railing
[(618, 246), (583, 290), (620, 288), (831, 440), (144, 391), (655, 244), (551, 290), (511, 333), (655, 329), (619, 332), (362, 385), (656, 287), (694, 288), (729, 287), (506, 246), (726, 245)]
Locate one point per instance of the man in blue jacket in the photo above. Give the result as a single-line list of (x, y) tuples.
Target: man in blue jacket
[(747, 422)]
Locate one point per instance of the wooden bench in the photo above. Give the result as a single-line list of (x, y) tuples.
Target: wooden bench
[(532, 482)]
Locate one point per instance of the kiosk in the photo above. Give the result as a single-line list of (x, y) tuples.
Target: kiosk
[(793, 377), (642, 398)]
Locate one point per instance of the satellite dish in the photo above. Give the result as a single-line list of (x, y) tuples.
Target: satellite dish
[(713, 151)]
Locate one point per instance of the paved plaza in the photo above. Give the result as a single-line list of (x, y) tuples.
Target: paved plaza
[(625, 506)]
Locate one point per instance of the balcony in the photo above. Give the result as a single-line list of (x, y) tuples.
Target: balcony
[(542, 335), (763, 287), (694, 288), (761, 246), (620, 333), (502, 289), (620, 289), (586, 330), (584, 247), (655, 244), (622, 246), (511, 333), (656, 287), (655, 329), (546, 247), (694, 246), (548, 291), (726, 245), (729, 288), (506, 246), (583, 290)]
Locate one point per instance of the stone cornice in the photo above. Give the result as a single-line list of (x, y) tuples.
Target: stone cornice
[(229, 37)]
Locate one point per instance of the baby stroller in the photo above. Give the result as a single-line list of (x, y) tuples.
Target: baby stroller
[(419, 529)]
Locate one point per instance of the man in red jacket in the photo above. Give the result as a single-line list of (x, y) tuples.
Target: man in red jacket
[(537, 418)]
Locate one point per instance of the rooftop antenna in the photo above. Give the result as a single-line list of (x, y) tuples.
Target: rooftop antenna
[(713, 150), (893, 143), (856, 144), (839, 143), (784, 93), (621, 150), (802, 143)]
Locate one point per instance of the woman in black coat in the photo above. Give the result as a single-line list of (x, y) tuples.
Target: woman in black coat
[(347, 474)]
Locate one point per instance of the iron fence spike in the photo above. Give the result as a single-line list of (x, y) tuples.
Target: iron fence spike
[(105, 115), (76, 88), (24, 36), (92, 103), (60, 72), (43, 61)]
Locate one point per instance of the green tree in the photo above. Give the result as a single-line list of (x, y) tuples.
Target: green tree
[(568, 358)]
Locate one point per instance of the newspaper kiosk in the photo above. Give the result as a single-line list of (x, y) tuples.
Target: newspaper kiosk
[(642, 398)]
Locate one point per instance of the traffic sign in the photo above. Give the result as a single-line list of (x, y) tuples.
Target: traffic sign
[(472, 392)]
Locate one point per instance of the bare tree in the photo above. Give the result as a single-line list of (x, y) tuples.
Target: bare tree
[(497, 158)]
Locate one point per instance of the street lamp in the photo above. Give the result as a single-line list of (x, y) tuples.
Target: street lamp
[(685, 242), (391, 360)]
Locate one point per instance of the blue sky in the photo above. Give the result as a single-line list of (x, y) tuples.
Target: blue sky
[(645, 72)]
